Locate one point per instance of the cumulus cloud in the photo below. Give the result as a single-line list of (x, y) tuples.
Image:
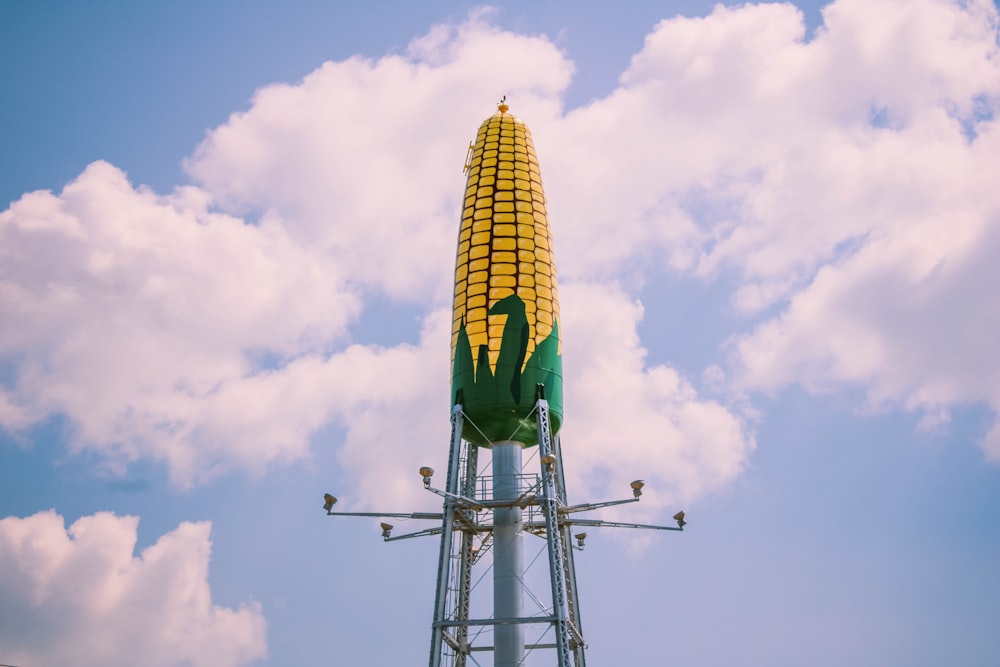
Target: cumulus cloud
[(164, 328), (392, 403), (626, 418), (912, 315), (844, 181), (124, 310), (874, 235), (734, 142), (80, 596), (364, 157), (841, 179), (355, 159)]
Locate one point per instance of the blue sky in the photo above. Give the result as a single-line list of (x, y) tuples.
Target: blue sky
[(226, 246)]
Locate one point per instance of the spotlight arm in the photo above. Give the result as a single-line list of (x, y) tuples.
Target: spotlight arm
[(419, 533), (461, 501), (524, 500), (432, 516), (598, 523), (593, 506)]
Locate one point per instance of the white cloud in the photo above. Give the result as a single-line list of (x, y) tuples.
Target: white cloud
[(626, 418), (733, 142), (355, 158), (846, 181), (733, 146), (80, 596), (391, 401), (347, 170), (124, 310), (364, 157), (893, 220), (912, 315)]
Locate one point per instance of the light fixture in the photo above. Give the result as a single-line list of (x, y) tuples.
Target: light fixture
[(427, 473), (549, 461), (330, 501), (679, 518), (386, 529), (637, 488), (580, 537)]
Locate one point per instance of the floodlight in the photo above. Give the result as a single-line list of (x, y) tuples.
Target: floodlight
[(679, 518), (637, 488), (330, 502), (427, 473), (580, 537), (386, 529), (548, 461)]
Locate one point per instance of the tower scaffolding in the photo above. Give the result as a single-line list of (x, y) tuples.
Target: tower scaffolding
[(468, 528)]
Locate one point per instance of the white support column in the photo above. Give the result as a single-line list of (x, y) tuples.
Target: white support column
[(508, 556)]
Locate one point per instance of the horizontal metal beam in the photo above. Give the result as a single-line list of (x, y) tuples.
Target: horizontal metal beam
[(586, 507), (490, 648), (597, 523), (419, 533), (496, 621), (432, 516)]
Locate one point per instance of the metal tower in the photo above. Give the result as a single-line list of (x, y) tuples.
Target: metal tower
[(483, 514)]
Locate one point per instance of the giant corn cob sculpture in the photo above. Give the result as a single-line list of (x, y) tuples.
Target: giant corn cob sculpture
[(505, 337), (506, 396)]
